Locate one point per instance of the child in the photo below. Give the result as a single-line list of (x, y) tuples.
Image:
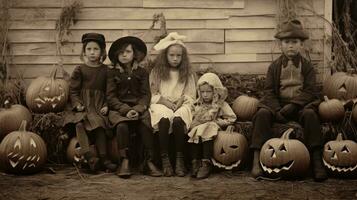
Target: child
[(87, 95), (129, 96), (290, 89), (210, 114), (173, 90)]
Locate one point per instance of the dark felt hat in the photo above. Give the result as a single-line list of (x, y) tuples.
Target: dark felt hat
[(97, 37), (292, 29), (137, 42)]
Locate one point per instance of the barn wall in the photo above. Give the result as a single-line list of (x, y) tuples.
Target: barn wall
[(229, 35)]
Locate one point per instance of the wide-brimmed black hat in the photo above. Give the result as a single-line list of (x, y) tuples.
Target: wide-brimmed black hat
[(292, 29), (137, 42), (97, 37)]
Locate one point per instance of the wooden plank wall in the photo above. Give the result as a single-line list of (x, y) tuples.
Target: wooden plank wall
[(228, 35)]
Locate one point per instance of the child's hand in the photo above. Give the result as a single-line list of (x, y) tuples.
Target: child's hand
[(104, 110), (221, 123), (167, 103), (79, 108), (180, 102), (132, 114)]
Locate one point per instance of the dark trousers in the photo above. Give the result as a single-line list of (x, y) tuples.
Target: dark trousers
[(202, 150), (99, 135), (308, 118), (125, 129)]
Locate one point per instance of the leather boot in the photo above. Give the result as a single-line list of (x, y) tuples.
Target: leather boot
[(205, 170), (256, 168), (196, 164), (180, 165), (109, 166), (151, 169), (124, 169), (93, 162), (317, 166), (166, 165)]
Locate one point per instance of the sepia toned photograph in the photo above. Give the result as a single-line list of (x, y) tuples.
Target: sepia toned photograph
[(178, 99)]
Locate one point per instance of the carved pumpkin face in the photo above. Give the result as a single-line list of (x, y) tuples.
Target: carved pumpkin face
[(245, 107), (22, 152), (340, 156), (331, 109), (74, 154), (341, 86), (11, 118), (284, 157), (47, 94), (229, 149)]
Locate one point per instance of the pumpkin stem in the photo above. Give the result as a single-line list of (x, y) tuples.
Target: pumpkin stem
[(339, 137), (54, 72), (23, 126), (230, 129), (7, 103), (326, 98), (286, 134)]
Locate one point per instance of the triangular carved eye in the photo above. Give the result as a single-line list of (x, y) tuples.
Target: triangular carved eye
[(329, 148), (345, 149), (282, 147), (270, 147)]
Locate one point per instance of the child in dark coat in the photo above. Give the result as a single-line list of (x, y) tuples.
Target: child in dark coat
[(89, 106), (290, 88)]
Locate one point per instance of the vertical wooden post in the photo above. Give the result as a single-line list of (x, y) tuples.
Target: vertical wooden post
[(328, 35)]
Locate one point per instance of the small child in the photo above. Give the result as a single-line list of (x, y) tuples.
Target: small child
[(211, 113), (290, 89), (89, 106), (173, 89)]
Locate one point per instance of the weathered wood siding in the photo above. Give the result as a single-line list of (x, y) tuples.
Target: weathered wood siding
[(228, 35)]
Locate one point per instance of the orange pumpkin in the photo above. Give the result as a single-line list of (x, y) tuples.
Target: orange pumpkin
[(11, 117), (331, 109), (340, 156), (229, 149), (284, 157), (341, 86), (22, 152), (245, 107), (47, 94)]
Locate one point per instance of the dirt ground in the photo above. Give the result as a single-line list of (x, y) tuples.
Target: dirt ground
[(68, 183)]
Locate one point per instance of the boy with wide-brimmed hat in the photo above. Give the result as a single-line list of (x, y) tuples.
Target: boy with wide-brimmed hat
[(290, 89)]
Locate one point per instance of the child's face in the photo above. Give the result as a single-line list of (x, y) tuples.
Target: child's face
[(92, 52), (127, 55), (291, 46), (206, 92), (174, 55)]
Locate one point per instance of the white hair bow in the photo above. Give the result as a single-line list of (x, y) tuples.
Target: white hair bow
[(171, 38)]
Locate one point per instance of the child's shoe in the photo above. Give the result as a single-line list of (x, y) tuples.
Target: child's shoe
[(205, 170), (196, 164)]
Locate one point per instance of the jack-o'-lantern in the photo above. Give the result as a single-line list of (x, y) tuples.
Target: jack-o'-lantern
[(341, 86), (245, 107), (47, 94), (229, 149), (340, 156), (74, 154), (284, 157), (11, 117), (331, 109), (22, 152)]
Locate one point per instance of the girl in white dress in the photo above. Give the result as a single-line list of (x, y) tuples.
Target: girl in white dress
[(173, 90)]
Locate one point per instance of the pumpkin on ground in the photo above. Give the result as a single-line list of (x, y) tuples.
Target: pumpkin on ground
[(229, 149), (74, 154), (340, 156), (341, 86), (11, 117), (331, 110), (47, 94), (284, 157), (245, 107), (22, 152)]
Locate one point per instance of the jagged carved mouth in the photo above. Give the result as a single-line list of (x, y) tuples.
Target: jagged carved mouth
[(233, 165), (339, 169), (15, 159), (53, 101), (278, 169)]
